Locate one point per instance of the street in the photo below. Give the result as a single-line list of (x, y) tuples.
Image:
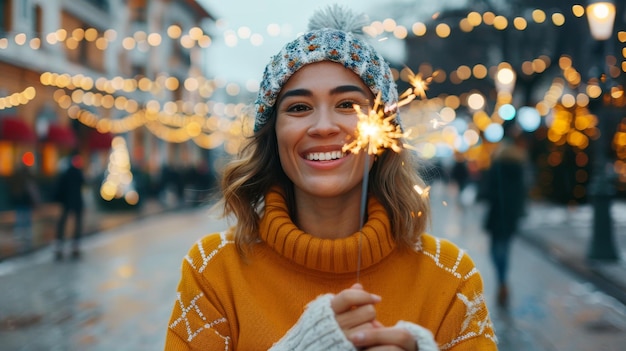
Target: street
[(119, 295)]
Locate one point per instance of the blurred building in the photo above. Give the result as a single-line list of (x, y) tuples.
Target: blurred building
[(76, 73)]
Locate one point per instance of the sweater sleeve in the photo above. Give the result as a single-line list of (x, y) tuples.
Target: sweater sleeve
[(471, 327), (317, 329), (196, 323)]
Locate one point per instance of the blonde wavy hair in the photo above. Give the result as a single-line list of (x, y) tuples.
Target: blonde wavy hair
[(257, 168)]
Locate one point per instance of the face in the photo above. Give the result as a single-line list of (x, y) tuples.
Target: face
[(315, 119)]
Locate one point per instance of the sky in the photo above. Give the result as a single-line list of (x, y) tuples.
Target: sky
[(243, 62)]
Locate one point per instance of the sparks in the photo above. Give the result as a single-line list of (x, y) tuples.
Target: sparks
[(375, 132), (420, 84), (379, 129), (425, 192)]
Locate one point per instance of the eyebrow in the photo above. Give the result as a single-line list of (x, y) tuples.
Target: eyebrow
[(337, 90), (347, 89)]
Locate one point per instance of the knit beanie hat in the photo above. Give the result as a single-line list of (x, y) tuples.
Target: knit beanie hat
[(335, 34)]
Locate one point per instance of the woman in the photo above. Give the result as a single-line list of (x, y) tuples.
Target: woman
[(285, 276)]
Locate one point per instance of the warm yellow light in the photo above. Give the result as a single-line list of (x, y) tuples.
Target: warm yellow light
[(601, 16), (594, 91), (154, 39), (204, 41), (480, 71), (132, 197), (196, 33), (20, 39), (539, 16), (186, 41), (78, 34), (464, 72), (233, 89), (443, 30), (558, 19), (128, 43), (500, 23), (568, 100), (505, 79), (471, 136), (400, 32), (61, 34), (452, 101), (578, 10), (465, 25), (419, 29), (174, 31), (91, 34), (389, 24), (488, 18), (171, 83), (51, 38), (474, 18), (520, 23), (476, 101), (110, 34), (35, 43)]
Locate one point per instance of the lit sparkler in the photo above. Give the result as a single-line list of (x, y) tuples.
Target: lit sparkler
[(377, 130)]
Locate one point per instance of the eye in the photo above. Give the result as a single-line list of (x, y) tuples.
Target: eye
[(348, 104), (298, 108)]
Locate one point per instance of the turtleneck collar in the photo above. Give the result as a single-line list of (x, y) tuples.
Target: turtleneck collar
[(279, 232)]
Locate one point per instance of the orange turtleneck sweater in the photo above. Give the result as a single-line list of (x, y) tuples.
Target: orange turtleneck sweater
[(225, 302)]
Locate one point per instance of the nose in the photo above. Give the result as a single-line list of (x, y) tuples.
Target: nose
[(324, 123)]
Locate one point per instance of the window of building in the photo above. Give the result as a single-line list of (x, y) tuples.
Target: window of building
[(5, 16), (138, 10), (79, 50), (101, 4), (38, 22)]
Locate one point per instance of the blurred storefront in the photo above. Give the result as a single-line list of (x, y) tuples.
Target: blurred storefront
[(61, 64)]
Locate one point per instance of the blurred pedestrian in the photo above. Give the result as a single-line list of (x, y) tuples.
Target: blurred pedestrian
[(505, 194), (69, 194), (460, 175), (299, 270), (24, 198), (459, 172)]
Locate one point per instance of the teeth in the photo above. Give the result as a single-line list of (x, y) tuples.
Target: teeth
[(325, 156)]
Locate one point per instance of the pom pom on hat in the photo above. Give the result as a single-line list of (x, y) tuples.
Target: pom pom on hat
[(338, 17), (334, 35)]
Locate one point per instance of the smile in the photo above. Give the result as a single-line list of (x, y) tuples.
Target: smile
[(325, 156)]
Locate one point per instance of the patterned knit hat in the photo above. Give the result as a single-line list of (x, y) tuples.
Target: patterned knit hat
[(334, 35)]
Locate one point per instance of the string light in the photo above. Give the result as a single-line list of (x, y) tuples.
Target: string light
[(109, 93), (17, 99)]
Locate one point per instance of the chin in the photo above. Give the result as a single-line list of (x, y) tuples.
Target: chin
[(327, 189)]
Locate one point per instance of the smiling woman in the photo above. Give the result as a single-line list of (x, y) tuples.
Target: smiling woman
[(298, 270)]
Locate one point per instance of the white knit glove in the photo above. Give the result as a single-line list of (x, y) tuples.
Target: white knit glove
[(423, 337), (317, 329)]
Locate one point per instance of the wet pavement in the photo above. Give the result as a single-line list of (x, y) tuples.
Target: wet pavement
[(118, 296), (552, 307)]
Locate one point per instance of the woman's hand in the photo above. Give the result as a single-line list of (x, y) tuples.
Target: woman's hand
[(381, 338), (356, 315), (354, 310)]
